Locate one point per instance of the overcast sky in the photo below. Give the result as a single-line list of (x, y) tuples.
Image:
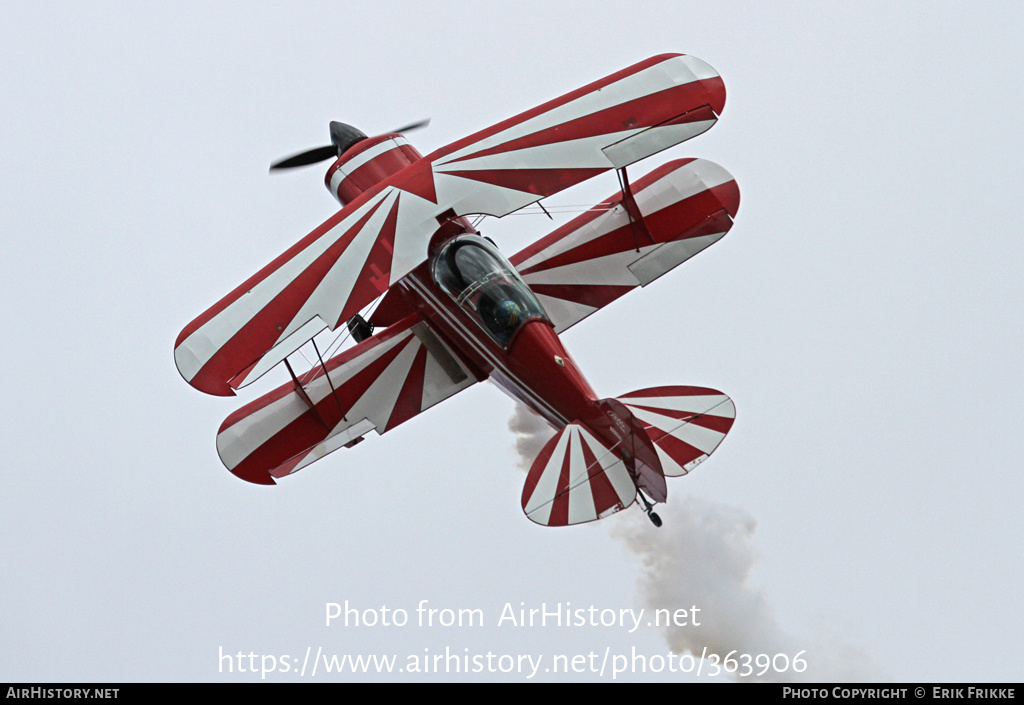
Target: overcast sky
[(864, 314)]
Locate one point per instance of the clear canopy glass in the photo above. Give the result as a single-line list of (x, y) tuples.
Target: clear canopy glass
[(473, 272)]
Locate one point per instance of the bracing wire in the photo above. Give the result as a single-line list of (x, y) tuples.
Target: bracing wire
[(341, 336)]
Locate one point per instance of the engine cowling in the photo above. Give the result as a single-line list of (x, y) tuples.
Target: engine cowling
[(368, 162)]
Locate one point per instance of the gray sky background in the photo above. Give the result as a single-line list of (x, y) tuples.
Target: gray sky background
[(864, 314)]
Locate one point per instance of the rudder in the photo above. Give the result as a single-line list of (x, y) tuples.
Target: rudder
[(686, 424)]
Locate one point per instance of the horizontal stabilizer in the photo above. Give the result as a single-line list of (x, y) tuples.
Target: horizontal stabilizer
[(686, 423), (576, 479), (376, 385)]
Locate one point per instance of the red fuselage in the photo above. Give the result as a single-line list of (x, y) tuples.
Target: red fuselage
[(532, 365), (525, 359)]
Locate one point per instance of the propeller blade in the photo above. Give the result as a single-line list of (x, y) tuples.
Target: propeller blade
[(311, 156), (413, 126), (342, 137), (308, 157)]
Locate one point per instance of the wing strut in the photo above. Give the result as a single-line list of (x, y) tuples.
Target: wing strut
[(334, 392), (301, 390), (636, 217)]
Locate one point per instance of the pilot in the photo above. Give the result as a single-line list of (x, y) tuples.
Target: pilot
[(503, 315)]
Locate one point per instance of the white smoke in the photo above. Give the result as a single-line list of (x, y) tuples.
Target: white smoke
[(532, 432), (702, 557)]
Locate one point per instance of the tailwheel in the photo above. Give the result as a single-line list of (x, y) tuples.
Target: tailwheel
[(648, 507)]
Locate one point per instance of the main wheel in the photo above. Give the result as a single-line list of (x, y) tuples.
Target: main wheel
[(359, 328)]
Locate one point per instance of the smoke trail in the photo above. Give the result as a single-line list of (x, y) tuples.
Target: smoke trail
[(532, 432), (702, 557)]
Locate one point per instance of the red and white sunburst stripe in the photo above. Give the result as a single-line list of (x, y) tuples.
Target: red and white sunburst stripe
[(377, 385), (608, 124), (687, 204), (686, 423), (382, 235), (575, 479)]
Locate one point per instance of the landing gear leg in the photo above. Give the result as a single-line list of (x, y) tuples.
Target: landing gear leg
[(655, 519)]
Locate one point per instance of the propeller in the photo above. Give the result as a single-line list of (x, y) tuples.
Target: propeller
[(412, 126), (342, 137)]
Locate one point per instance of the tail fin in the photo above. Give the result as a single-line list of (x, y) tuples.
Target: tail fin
[(636, 448), (686, 423)]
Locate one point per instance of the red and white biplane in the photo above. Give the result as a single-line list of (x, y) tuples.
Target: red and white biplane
[(455, 311)]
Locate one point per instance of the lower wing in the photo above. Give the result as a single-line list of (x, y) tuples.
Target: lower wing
[(376, 385), (686, 205)]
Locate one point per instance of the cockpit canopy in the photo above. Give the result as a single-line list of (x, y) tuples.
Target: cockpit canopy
[(473, 272)]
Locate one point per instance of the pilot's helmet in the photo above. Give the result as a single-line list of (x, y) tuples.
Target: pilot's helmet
[(508, 313)]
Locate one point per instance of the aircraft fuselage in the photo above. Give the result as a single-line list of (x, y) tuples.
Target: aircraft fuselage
[(531, 365)]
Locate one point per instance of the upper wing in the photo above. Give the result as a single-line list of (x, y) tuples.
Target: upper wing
[(608, 124), (687, 205), (378, 238), (322, 281)]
